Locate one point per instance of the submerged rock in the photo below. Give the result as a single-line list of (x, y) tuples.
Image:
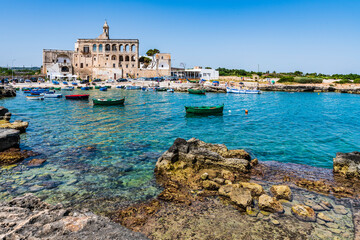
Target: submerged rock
[(304, 213), (347, 164), (36, 162), (33, 219)]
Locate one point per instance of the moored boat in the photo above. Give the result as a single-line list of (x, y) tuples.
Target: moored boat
[(103, 89), (205, 109), (97, 87), (52, 95), (68, 88), (242, 91), (171, 90), (85, 88), (78, 97), (132, 87), (35, 97), (193, 81), (161, 89), (108, 101), (196, 91)]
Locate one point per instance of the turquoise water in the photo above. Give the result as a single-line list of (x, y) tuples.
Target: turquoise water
[(125, 142)]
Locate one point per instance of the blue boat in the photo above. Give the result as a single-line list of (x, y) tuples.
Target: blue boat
[(132, 87), (68, 88), (85, 88), (55, 82), (74, 83), (65, 83), (242, 91), (103, 89)]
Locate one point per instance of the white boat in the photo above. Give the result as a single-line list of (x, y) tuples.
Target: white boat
[(35, 97), (68, 88), (242, 91), (52, 95), (132, 87), (170, 90)]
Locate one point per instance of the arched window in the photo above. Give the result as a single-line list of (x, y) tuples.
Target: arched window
[(65, 69), (113, 57), (107, 47), (94, 48), (133, 58), (121, 48), (121, 58), (126, 48), (133, 48), (100, 48), (113, 47), (126, 58)]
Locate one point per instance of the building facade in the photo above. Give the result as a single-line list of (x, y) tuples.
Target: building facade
[(195, 73), (104, 58)]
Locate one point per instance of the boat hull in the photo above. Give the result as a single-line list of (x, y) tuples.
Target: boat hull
[(77, 97), (35, 97), (109, 102), (242, 91), (205, 110), (196, 91), (54, 95)]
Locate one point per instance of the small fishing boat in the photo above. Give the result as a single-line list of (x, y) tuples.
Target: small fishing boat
[(97, 87), (68, 88), (132, 87), (35, 97), (151, 89), (65, 83), (52, 95), (78, 97), (205, 110), (108, 86), (74, 83), (161, 89), (120, 86), (85, 88), (103, 89), (171, 90), (108, 102), (242, 91), (193, 81), (196, 91)]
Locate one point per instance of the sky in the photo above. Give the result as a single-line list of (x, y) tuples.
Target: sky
[(320, 36)]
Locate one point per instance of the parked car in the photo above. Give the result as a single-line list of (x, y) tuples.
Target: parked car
[(97, 80), (41, 80), (21, 80), (33, 79), (27, 81), (109, 81), (121, 80)]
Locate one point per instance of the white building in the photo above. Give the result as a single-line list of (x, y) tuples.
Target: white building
[(195, 73)]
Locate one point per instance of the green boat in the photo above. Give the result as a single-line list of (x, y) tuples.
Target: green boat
[(90, 87), (196, 91), (57, 88), (205, 110), (108, 86), (192, 81), (78, 87), (108, 101), (97, 87)]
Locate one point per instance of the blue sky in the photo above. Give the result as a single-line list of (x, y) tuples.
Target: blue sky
[(279, 35)]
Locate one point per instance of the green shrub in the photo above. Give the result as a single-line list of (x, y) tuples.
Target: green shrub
[(286, 79), (308, 80), (343, 81), (357, 80)]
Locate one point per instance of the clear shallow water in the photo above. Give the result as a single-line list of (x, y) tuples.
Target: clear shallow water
[(304, 128)]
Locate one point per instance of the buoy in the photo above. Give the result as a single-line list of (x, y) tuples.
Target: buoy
[(318, 93), (246, 111), (229, 110)]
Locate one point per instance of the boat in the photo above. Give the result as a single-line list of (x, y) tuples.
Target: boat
[(103, 89), (97, 87), (57, 88), (78, 97), (108, 86), (35, 97), (161, 89), (171, 90), (74, 83), (151, 89), (85, 88), (192, 81), (52, 95), (68, 88), (196, 91), (205, 109), (55, 82), (120, 86), (242, 91), (65, 83), (108, 101), (132, 87)]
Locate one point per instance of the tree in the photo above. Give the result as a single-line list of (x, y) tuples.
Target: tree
[(152, 52), (208, 68), (298, 73), (144, 60)]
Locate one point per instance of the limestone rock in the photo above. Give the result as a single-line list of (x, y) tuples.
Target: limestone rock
[(304, 213), (270, 204), (36, 162), (241, 197), (9, 138), (281, 192), (255, 189), (324, 217), (225, 190), (347, 164), (18, 125), (27, 217), (210, 185)]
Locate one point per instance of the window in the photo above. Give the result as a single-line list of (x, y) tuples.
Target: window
[(121, 58), (162, 65), (94, 59), (133, 65), (114, 47), (64, 60), (94, 48), (87, 65), (162, 57), (81, 65), (76, 65), (105, 64), (107, 47), (133, 58), (113, 57), (86, 49), (126, 48), (127, 65), (133, 48), (121, 48), (100, 48), (114, 65), (65, 69), (126, 58)]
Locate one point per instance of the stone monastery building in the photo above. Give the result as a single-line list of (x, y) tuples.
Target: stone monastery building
[(103, 58)]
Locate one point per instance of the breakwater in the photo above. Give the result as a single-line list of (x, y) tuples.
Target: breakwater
[(7, 91)]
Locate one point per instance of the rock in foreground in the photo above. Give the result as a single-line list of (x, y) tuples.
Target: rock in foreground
[(9, 138), (347, 164), (28, 217)]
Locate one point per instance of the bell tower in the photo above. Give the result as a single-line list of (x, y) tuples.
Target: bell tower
[(106, 29)]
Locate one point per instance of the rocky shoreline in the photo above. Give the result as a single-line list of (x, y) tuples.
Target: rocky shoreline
[(211, 192), (307, 88), (7, 92)]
